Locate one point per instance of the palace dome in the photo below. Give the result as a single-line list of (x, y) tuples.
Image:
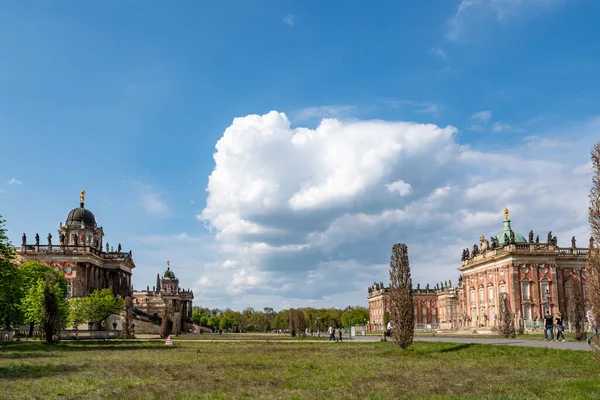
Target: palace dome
[(507, 230), (169, 275), (81, 215)]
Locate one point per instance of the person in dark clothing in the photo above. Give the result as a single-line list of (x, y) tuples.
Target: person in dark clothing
[(560, 328), (548, 326), (340, 334)]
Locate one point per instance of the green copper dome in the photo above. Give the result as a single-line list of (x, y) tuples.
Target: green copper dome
[(169, 275), (507, 230)]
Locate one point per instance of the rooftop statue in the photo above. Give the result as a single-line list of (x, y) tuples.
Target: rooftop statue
[(530, 236), (49, 239), (573, 242), (550, 237), (37, 239), (506, 214), (24, 240), (537, 239), (82, 196)]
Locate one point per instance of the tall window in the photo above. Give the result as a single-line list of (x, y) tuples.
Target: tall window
[(525, 290), (490, 293), (527, 312), (472, 296), (481, 294), (503, 288), (68, 288), (424, 313), (545, 287)]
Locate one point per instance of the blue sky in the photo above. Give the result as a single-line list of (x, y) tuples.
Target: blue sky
[(129, 101)]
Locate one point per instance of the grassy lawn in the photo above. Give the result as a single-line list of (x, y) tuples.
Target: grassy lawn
[(288, 370)]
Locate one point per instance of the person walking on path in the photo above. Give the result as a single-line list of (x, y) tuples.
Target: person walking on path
[(340, 335), (548, 326), (331, 333), (591, 317), (560, 328)]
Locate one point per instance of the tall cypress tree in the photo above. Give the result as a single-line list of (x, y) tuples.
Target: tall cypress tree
[(402, 314), (593, 269)]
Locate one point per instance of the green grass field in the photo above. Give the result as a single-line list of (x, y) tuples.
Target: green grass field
[(288, 370)]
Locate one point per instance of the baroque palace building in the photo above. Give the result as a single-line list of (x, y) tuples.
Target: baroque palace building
[(80, 256), (537, 276), (166, 293)]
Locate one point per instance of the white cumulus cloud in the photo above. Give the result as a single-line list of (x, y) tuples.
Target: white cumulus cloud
[(290, 206)]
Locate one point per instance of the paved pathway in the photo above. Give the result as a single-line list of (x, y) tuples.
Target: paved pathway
[(499, 341), (468, 340)]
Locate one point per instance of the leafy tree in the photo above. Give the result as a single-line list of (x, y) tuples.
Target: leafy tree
[(11, 290), (213, 322), (576, 317), (96, 307), (45, 305), (32, 272), (355, 316), (225, 323), (297, 322), (401, 297), (593, 269)]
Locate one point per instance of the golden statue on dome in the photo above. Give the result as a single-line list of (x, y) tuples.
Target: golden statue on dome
[(82, 196), (506, 214)]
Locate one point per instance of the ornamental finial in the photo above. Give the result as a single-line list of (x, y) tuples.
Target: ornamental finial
[(506, 214), (82, 196), (168, 264)]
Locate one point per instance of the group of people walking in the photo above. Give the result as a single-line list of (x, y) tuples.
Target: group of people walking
[(552, 322), (549, 324), (332, 331)]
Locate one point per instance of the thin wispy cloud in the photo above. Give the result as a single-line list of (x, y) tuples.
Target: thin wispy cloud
[(331, 111), (15, 181), (289, 19), (438, 52), (500, 127), (153, 204), (482, 116), (477, 13), (421, 107)]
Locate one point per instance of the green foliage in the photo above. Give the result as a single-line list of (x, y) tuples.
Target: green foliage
[(355, 316), (213, 322), (11, 290), (33, 303), (34, 271), (225, 323), (53, 307), (96, 307)]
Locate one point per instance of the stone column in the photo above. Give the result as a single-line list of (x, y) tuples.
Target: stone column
[(537, 305), (88, 278), (553, 289), (560, 286)]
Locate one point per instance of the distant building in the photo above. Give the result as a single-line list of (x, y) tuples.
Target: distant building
[(79, 255), (536, 276), (166, 292)]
